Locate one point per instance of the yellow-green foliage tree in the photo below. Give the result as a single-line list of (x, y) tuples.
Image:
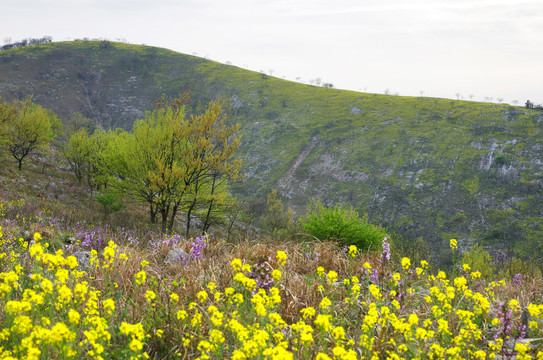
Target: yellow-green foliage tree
[(77, 152), (92, 156), (279, 223), (168, 158), (26, 128)]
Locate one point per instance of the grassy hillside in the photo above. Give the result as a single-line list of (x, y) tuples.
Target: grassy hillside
[(422, 167), (243, 299)]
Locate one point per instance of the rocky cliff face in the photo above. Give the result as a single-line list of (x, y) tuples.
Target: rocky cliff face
[(423, 167)]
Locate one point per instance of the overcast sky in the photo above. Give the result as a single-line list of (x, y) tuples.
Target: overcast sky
[(480, 48)]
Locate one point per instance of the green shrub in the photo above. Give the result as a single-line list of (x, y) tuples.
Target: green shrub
[(277, 221), (110, 203), (519, 266), (342, 224), (479, 260)]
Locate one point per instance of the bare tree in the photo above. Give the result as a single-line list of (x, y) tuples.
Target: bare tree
[(457, 96), (421, 93), (500, 100)]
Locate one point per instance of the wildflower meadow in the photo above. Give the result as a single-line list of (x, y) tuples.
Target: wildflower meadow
[(256, 300)]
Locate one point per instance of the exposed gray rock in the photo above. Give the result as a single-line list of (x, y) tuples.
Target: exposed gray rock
[(354, 110), (53, 187), (83, 258), (176, 256)]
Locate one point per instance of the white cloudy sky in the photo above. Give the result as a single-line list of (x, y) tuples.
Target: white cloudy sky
[(484, 48)]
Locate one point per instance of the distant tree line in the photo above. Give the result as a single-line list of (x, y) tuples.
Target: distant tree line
[(27, 42), (531, 105)]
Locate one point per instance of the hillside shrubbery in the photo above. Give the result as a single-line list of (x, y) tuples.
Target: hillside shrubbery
[(341, 224)]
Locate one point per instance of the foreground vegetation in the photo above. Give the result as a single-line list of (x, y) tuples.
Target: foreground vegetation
[(249, 300)]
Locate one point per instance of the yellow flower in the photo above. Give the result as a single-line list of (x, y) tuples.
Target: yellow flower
[(276, 274), (406, 263), (308, 312), (353, 250), (136, 345), (140, 277), (37, 237), (320, 271), (453, 244), (366, 266), (150, 295), (332, 276), (181, 315), (236, 264), (396, 277), (74, 316), (323, 356), (325, 303), (174, 297), (109, 306), (281, 258), (413, 319), (514, 305), (202, 296), (375, 291)]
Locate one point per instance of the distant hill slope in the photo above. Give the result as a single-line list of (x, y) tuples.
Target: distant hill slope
[(426, 167)]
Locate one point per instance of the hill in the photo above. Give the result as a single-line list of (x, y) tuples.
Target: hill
[(422, 167)]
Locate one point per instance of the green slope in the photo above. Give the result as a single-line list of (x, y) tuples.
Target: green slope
[(427, 167)]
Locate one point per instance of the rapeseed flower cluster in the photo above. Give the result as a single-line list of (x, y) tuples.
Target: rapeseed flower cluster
[(49, 311), (374, 310)]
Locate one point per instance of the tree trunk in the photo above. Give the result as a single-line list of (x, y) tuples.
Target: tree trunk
[(189, 212), (210, 207), (152, 213), (172, 216), (208, 216), (164, 215)]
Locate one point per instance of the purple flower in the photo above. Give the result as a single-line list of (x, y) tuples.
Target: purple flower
[(374, 277), (385, 255), (198, 246), (518, 279)]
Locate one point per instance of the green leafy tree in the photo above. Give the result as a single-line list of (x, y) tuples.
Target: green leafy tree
[(110, 203), (278, 221), (77, 122), (167, 159), (341, 224), (102, 153), (78, 152), (30, 128)]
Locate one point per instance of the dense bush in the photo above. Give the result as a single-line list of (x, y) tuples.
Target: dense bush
[(479, 260), (342, 224)]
